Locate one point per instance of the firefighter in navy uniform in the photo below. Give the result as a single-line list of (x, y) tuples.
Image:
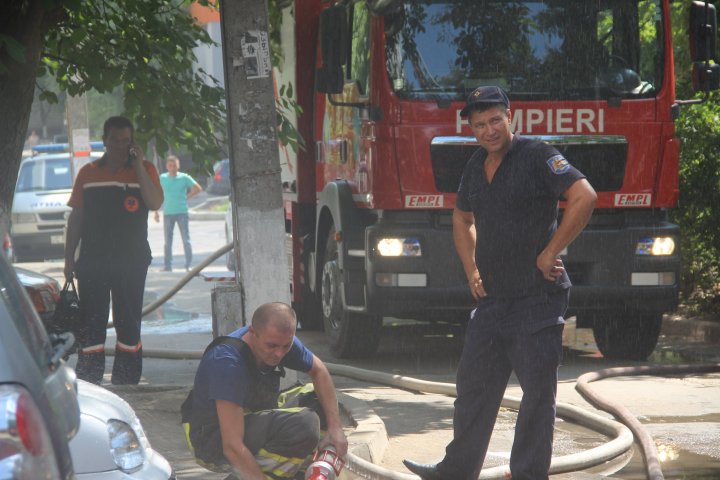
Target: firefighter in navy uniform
[(110, 201), (237, 420), (509, 242)]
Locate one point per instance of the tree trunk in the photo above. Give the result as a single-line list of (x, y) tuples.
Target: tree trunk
[(26, 22)]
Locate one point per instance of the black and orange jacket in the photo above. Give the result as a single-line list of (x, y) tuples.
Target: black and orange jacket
[(114, 213)]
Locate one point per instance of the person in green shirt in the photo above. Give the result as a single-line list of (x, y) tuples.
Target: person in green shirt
[(178, 188)]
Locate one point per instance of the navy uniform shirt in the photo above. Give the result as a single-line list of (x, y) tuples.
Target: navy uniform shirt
[(224, 374), (114, 227), (516, 215)]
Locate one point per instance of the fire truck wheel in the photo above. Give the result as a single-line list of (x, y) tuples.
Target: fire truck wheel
[(349, 334), (627, 335)]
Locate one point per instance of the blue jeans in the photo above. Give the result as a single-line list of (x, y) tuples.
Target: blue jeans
[(169, 225)]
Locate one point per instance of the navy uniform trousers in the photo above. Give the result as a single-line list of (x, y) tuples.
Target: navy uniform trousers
[(97, 281), (523, 335)]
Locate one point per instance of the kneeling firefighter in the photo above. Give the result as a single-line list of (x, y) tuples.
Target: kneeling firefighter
[(236, 419)]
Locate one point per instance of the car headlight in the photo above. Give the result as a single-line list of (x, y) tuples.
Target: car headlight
[(655, 246), (399, 247), (127, 449)]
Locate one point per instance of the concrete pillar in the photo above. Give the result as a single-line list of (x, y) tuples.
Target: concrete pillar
[(259, 231), (226, 303)]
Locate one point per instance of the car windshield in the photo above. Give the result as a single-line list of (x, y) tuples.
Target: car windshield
[(536, 50), (44, 174)]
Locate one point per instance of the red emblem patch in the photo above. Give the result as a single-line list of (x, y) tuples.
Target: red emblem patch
[(131, 203)]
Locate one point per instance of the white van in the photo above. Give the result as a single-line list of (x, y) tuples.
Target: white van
[(40, 210)]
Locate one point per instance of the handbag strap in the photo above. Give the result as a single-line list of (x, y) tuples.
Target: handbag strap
[(69, 287)]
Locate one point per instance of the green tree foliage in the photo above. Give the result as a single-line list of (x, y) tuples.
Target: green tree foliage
[(698, 128), (698, 212), (285, 103), (145, 47)]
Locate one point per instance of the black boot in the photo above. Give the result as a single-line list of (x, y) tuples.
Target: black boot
[(426, 471), (91, 366), (127, 368)]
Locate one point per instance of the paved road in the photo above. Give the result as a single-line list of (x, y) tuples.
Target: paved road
[(683, 414)]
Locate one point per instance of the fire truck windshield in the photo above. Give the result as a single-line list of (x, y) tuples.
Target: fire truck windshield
[(536, 50)]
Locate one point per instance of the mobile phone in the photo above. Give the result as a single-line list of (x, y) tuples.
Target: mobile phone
[(132, 154)]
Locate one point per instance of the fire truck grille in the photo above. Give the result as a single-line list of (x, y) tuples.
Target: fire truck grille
[(602, 163)]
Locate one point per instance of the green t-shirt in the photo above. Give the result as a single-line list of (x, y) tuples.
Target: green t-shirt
[(175, 190)]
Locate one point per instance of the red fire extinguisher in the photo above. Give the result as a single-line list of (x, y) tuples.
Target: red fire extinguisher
[(326, 465)]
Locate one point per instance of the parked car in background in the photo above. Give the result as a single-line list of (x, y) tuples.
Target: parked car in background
[(39, 411), (40, 210), (44, 293), (219, 183)]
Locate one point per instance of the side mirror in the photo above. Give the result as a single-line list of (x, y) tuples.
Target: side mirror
[(703, 31), (333, 45), (705, 77)]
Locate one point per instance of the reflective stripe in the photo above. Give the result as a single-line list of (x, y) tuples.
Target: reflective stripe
[(94, 349), (278, 465), (128, 348), (291, 392), (111, 184), (186, 428), (213, 467)]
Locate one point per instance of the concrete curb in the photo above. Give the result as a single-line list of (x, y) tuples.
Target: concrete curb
[(369, 439)]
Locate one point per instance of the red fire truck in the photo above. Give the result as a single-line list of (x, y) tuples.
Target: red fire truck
[(369, 201)]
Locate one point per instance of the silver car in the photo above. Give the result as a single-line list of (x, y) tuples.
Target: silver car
[(111, 443)]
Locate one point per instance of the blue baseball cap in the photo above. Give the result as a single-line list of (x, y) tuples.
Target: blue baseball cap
[(485, 96)]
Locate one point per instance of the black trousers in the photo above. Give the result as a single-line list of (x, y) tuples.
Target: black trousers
[(281, 441), (523, 335), (98, 281)]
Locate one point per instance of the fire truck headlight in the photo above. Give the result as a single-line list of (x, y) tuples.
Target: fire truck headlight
[(655, 246), (399, 247)]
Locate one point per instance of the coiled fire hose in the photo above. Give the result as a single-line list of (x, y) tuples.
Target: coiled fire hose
[(647, 445)]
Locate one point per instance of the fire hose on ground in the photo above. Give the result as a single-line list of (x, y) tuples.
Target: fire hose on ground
[(621, 434)]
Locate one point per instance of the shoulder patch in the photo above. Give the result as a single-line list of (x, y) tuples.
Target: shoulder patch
[(558, 165)]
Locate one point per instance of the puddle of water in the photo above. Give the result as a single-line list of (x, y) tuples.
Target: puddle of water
[(170, 314), (709, 418), (675, 465), (165, 327)]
